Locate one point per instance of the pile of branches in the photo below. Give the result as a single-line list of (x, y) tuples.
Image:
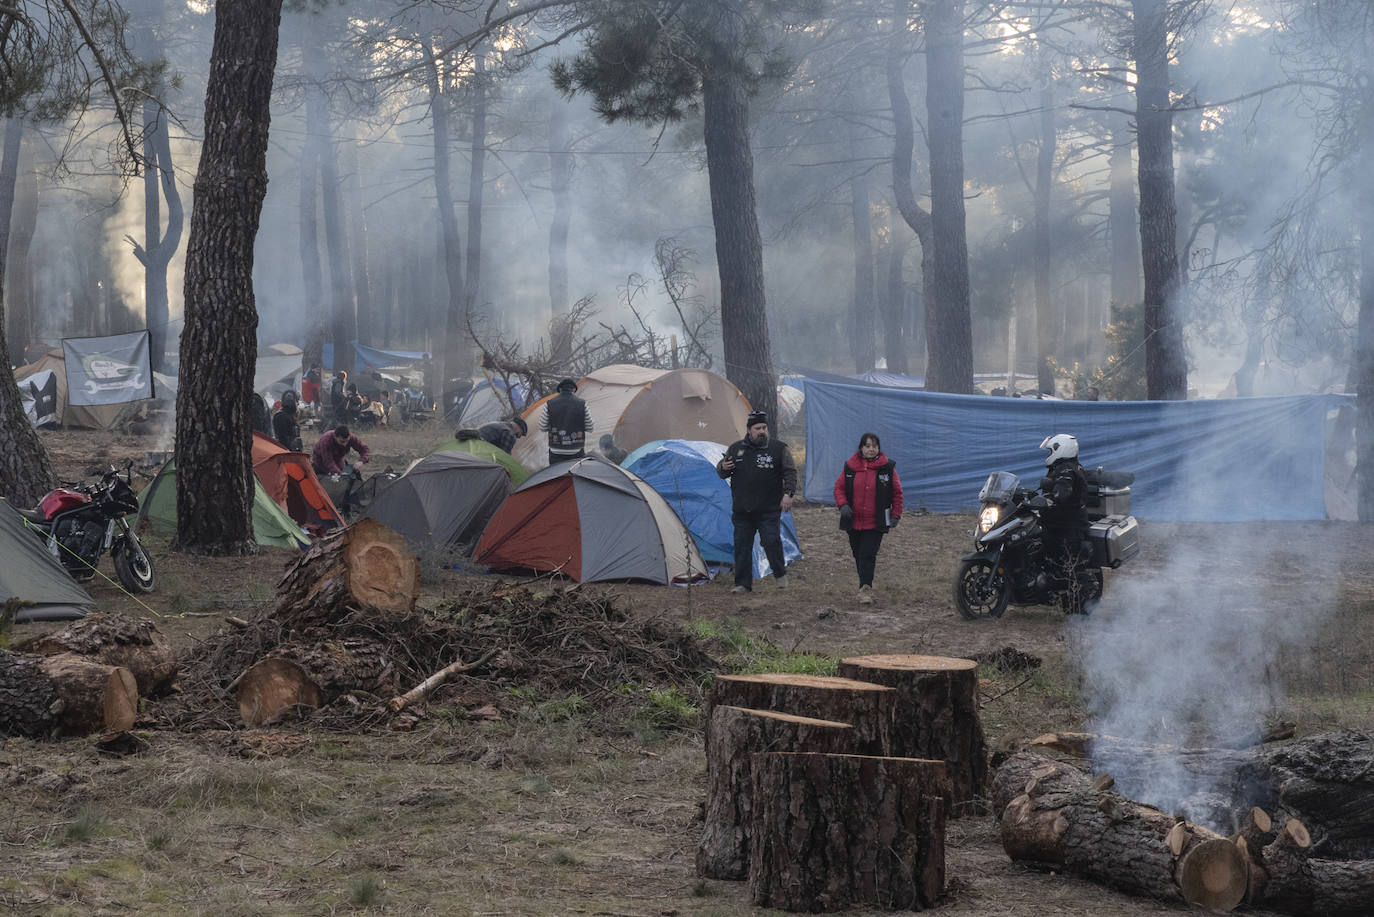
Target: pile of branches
[(547, 641)]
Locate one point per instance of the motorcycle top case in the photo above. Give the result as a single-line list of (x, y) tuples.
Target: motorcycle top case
[(1108, 493), (61, 500), (1114, 540)]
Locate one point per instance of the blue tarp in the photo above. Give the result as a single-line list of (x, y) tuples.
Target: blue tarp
[(1222, 460), (376, 358), (684, 473)]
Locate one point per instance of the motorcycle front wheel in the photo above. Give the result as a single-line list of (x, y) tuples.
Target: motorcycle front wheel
[(981, 591), (134, 566)]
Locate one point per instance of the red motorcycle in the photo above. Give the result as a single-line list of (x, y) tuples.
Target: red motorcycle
[(80, 522)]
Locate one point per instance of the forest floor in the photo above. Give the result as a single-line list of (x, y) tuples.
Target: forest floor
[(537, 805)]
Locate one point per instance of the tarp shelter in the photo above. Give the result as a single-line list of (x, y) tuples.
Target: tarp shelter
[(90, 417), (684, 473), (590, 520), (292, 484), (276, 372), (491, 400), (1214, 460), (33, 576), (376, 358), (483, 449), (638, 405), (157, 503), (444, 498)]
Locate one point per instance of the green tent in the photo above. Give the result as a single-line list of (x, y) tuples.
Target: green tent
[(486, 450), (158, 504), (33, 577)]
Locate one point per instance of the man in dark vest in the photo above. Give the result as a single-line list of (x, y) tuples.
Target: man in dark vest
[(567, 421), (764, 478)]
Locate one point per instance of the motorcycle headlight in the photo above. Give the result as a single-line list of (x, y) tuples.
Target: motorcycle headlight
[(987, 519)]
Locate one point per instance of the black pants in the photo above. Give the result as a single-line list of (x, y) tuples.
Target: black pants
[(865, 544), (768, 525)]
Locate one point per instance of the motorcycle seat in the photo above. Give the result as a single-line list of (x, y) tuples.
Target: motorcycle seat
[(33, 515)]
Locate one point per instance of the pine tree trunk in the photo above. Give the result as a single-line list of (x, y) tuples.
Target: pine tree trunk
[(560, 184), (895, 338), (308, 242), (368, 329), (64, 694), (737, 735), (1121, 220), (1044, 251), (1364, 339), (450, 362), (476, 184), (214, 427), (16, 316), (117, 641), (836, 831), (867, 707), (935, 715), (865, 297), (18, 273)]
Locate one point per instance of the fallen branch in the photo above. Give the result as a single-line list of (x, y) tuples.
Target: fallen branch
[(426, 687)]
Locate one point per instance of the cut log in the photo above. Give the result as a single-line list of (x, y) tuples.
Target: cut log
[(1256, 828), (935, 715), (738, 734), (64, 694), (114, 640), (272, 687), (365, 567), (865, 706), (835, 831), (1063, 822)]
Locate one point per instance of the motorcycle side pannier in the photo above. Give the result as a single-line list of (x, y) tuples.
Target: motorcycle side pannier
[(1108, 493), (1114, 540)]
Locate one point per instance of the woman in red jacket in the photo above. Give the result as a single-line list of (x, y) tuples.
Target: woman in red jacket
[(870, 499)]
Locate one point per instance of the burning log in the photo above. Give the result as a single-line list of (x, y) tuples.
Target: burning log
[(366, 566), (737, 735), (64, 694), (866, 706), (935, 715), (118, 641), (834, 831)]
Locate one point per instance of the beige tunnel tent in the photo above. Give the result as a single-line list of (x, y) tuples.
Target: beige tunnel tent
[(638, 405)]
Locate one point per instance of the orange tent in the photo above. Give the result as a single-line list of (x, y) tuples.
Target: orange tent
[(291, 483)]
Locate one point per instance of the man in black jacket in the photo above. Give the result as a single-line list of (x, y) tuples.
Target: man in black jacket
[(567, 421), (1065, 519), (763, 480)]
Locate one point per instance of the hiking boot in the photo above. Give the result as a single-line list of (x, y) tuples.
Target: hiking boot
[(865, 595), (739, 590), (782, 582)]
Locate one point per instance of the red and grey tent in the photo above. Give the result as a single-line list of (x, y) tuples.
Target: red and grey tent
[(590, 520)]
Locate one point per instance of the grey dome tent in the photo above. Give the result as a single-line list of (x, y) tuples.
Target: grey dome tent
[(33, 577), (442, 499)]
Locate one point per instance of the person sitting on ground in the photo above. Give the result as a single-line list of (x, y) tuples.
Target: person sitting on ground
[(330, 455), (610, 450), (286, 427), (383, 404)]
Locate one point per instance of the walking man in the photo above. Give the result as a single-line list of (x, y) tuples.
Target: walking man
[(567, 421), (763, 480)]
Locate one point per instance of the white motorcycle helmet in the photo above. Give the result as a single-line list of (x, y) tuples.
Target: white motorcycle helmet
[(1061, 446)]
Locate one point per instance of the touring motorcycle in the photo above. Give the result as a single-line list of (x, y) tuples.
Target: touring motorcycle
[(80, 522), (1009, 565)]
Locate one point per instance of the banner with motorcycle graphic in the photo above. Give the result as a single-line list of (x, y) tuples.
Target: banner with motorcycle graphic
[(108, 370)]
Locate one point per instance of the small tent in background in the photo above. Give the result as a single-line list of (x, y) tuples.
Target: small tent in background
[(490, 400), (292, 483), (684, 473), (483, 449), (637, 405), (157, 503), (278, 369), (445, 498), (33, 577), (590, 520)]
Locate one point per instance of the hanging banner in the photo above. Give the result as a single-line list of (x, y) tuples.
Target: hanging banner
[(108, 370)]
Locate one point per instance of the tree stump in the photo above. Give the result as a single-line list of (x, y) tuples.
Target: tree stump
[(935, 715), (114, 640), (64, 694), (737, 734), (835, 831), (866, 706), (273, 687), (366, 566)]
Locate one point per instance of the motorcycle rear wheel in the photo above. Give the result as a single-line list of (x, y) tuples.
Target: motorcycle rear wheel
[(980, 591), (134, 567)]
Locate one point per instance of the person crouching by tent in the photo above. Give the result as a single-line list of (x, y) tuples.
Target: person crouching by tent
[(567, 421), (764, 477), (330, 458), (869, 496)]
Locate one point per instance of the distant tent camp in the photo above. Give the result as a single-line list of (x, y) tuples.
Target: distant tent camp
[(278, 369), (490, 400), (289, 480), (33, 577), (157, 503), (444, 498), (590, 520), (90, 417), (684, 473), (638, 405), (483, 449)]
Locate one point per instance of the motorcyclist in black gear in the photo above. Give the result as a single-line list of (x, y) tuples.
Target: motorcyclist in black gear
[(1065, 519)]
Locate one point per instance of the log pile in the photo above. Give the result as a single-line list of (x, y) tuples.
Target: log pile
[(1296, 814), (117, 641)]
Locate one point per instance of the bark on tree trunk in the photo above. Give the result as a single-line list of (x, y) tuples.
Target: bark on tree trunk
[(1166, 370), (736, 735), (950, 367), (476, 183), (367, 326), (214, 425), (1122, 225), (159, 181), (560, 184), (866, 706), (1044, 180), (341, 305), (116, 641), (449, 356), (935, 715), (312, 283), (64, 694), (862, 326), (364, 567), (895, 337), (836, 831), (17, 317)]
